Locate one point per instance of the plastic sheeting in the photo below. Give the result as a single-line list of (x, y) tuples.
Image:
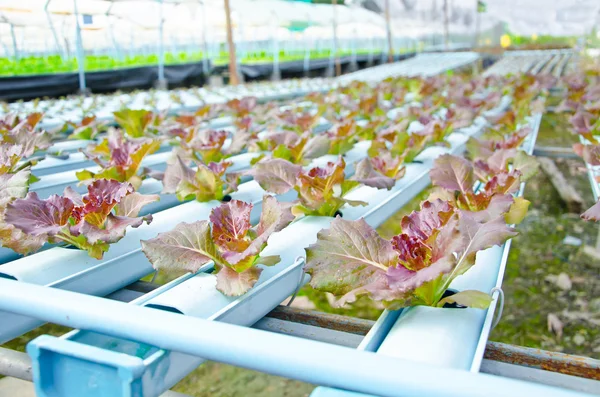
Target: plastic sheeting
[(522, 17), (135, 23), (56, 85)]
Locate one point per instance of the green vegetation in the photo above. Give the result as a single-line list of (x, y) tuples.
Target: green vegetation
[(32, 65), (543, 41)]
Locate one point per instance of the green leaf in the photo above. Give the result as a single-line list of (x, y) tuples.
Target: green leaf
[(517, 211), (270, 260), (84, 175), (526, 164), (469, 298), (282, 152)]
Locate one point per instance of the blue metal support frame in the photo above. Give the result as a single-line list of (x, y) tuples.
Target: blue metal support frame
[(314, 362)]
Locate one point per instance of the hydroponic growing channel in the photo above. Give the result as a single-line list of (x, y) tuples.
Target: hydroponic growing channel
[(284, 194)]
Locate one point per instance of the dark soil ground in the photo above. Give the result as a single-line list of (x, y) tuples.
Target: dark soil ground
[(551, 242)]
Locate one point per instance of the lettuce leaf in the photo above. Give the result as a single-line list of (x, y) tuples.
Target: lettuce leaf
[(232, 244), (437, 244), (89, 222)]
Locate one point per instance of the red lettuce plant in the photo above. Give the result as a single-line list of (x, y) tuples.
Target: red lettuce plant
[(342, 137), (13, 186), (87, 129), (437, 244), (119, 158), (242, 107), (16, 131), (589, 153), (298, 122), (89, 222), (321, 190), (232, 244), (208, 145), (11, 156), (400, 145), (495, 140), (296, 149), (585, 124), (457, 177), (139, 123), (207, 182), (383, 164)]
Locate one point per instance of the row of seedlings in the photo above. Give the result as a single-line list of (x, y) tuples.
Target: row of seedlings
[(449, 260), (263, 275), (582, 103), (81, 271), (140, 124)]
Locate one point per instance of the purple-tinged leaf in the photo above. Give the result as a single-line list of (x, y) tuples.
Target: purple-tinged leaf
[(219, 168), (479, 236), (114, 228), (74, 196), (503, 183), (232, 283), (131, 205), (149, 172), (593, 213), (582, 122), (17, 240), (13, 186), (9, 157), (188, 246), (103, 195), (432, 215), (453, 173), (589, 153), (39, 217), (500, 159), (231, 222), (316, 146), (274, 217), (175, 173), (401, 280), (276, 175), (30, 140), (347, 256), (366, 174)]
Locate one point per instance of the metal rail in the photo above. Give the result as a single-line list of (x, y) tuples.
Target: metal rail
[(313, 361)]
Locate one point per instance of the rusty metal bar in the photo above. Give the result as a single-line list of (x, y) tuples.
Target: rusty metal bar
[(500, 352), (548, 361), (535, 358), (555, 152), (323, 320), (535, 375)]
